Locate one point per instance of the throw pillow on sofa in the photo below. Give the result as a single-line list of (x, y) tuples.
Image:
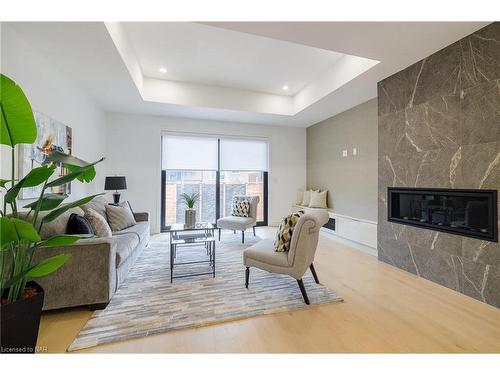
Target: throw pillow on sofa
[(318, 199), (120, 217), (78, 224), (285, 231), (99, 224), (98, 204)]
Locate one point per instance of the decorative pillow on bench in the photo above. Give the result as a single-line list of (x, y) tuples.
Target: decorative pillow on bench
[(240, 208), (318, 199), (285, 231)]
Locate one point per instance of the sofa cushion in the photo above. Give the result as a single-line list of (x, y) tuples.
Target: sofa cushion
[(120, 217), (141, 229), (126, 243), (57, 226), (78, 225), (263, 251), (98, 204), (99, 224), (235, 222)]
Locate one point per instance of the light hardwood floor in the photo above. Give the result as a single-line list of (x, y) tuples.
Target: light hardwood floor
[(386, 310)]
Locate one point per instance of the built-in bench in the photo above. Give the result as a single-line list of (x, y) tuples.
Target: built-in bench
[(358, 233)]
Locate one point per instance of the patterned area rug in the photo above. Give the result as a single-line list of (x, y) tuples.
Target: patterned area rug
[(147, 303)]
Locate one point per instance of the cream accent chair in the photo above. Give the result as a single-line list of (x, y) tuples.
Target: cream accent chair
[(297, 260), (235, 223)]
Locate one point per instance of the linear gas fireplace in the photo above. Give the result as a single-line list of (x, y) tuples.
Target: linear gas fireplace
[(471, 213)]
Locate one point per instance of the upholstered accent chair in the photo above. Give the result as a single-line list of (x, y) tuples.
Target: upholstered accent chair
[(237, 223), (294, 262)]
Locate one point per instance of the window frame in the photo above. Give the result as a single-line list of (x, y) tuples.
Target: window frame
[(264, 222)]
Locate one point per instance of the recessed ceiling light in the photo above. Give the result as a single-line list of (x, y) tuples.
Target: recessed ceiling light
[(163, 70), (285, 87)]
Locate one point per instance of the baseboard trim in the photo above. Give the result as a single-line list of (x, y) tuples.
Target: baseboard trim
[(356, 245)]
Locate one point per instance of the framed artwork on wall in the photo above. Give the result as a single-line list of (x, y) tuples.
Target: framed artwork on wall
[(52, 135)]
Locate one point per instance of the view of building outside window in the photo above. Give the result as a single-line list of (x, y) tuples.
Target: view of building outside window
[(204, 183)]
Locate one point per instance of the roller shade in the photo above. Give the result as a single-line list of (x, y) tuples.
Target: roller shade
[(243, 155), (189, 152)]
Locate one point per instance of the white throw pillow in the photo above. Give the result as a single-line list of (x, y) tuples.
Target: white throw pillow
[(300, 197), (318, 199), (307, 197)]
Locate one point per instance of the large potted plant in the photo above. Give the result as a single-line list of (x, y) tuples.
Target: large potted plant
[(190, 213), (21, 297)]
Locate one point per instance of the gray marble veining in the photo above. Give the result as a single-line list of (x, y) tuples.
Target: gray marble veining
[(439, 126)]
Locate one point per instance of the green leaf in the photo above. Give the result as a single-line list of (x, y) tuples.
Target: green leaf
[(47, 266), (25, 230), (8, 233), (4, 182), (86, 176), (71, 176), (59, 211), (49, 201), (37, 176), (34, 178), (17, 124), (59, 241), (61, 157)]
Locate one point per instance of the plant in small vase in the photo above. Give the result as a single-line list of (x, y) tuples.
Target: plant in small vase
[(21, 298), (190, 213)]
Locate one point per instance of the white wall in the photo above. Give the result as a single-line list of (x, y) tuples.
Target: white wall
[(54, 94), (134, 150)]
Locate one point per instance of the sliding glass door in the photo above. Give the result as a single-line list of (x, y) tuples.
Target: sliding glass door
[(216, 169)]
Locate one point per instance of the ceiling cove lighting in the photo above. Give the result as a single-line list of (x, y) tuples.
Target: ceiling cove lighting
[(285, 88), (163, 70)]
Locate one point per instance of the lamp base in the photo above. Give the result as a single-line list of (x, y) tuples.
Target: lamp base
[(116, 198)]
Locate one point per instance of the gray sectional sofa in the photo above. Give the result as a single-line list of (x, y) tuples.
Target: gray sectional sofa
[(97, 267)]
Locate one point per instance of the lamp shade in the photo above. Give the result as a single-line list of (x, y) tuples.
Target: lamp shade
[(115, 183)]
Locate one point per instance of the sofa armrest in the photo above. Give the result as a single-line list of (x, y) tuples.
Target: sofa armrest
[(141, 216), (87, 278)]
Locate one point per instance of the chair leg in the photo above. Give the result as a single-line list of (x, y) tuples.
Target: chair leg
[(234, 231), (219, 234), (303, 291), (313, 271), (254, 231), (242, 236), (247, 276)]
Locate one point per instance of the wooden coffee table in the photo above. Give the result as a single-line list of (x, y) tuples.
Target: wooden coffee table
[(181, 235)]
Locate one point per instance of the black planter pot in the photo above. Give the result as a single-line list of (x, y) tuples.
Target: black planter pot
[(20, 321)]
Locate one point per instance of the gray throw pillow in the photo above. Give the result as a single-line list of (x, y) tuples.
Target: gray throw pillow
[(98, 222), (120, 217)]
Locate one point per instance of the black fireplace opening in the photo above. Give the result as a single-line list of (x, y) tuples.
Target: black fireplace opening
[(467, 212)]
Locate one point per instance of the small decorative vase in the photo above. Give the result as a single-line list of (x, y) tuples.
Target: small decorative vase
[(190, 217)]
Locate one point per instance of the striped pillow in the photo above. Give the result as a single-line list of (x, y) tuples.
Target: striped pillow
[(99, 224), (120, 217)]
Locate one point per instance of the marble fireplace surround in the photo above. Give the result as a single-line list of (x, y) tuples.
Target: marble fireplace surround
[(439, 127)]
